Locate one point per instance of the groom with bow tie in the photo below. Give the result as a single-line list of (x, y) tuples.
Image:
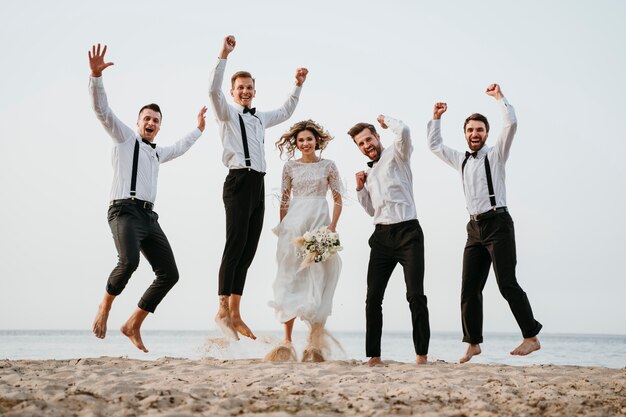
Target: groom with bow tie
[(490, 232), (242, 130), (386, 193), (134, 225)]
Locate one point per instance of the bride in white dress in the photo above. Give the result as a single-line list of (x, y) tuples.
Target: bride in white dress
[(306, 293)]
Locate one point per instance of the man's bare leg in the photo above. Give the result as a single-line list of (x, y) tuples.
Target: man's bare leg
[(100, 323), (528, 345), (421, 359), (222, 319), (132, 327), (374, 360), (472, 350), (235, 317)]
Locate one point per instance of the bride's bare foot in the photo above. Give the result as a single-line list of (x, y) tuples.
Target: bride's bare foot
[(312, 354), (374, 360), (132, 328), (527, 346), (472, 350), (282, 353)]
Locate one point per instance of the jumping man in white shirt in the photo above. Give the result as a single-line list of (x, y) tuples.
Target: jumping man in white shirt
[(386, 192), (134, 225), (490, 232), (242, 130)]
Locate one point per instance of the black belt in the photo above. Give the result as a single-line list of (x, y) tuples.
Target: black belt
[(488, 214), (242, 171), (146, 205)]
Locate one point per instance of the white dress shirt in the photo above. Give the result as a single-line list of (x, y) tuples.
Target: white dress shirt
[(475, 176), (122, 157), (227, 117), (388, 191)]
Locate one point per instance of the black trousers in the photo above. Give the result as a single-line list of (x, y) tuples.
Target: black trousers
[(492, 240), (401, 243), (137, 230), (244, 201)]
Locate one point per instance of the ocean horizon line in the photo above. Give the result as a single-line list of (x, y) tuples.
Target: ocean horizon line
[(393, 331)]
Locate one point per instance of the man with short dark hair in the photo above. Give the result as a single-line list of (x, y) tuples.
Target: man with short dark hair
[(134, 224), (490, 232), (385, 191), (242, 130)]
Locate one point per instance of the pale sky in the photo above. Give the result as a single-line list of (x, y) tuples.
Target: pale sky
[(561, 64)]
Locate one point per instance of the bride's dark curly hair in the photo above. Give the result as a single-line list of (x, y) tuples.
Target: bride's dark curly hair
[(287, 142)]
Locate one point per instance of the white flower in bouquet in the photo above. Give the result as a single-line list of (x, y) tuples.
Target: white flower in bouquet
[(317, 246)]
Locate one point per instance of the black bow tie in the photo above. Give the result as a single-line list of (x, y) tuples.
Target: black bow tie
[(147, 142), (249, 110), (467, 154), (371, 163)]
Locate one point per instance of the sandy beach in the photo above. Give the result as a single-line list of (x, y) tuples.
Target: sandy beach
[(211, 387)]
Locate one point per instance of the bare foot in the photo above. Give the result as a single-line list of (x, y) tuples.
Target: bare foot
[(132, 327), (134, 335), (472, 350), (421, 359), (282, 353), (312, 354), (241, 327), (223, 321), (100, 322), (527, 346), (374, 360), (226, 326)]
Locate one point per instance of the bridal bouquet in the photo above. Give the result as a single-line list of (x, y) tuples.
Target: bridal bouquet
[(317, 246)]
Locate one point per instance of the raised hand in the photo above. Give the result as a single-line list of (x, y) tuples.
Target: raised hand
[(494, 91), (96, 60), (438, 110), (201, 119), (301, 74), (381, 121), (228, 47)]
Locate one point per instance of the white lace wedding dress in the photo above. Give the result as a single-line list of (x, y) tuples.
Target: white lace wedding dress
[(307, 294)]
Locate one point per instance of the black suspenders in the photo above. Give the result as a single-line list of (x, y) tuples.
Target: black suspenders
[(133, 179), (244, 139), (492, 194)]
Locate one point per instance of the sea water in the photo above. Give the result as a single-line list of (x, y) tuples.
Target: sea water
[(557, 349)]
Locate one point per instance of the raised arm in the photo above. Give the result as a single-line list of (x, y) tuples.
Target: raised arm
[(274, 117), (448, 155), (118, 131), (167, 153), (509, 122), (402, 142), (216, 96)]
